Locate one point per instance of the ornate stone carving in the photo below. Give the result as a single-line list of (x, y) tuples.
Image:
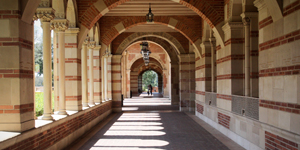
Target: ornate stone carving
[(92, 44), (86, 40), (246, 21), (45, 14), (59, 24), (34, 18)]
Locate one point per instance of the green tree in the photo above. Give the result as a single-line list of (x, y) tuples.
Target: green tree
[(149, 77)]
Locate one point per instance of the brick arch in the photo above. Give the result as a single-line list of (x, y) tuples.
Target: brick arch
[(139, 62), (211, 12), (157, 70), (161, 35), (151, 58), (174, 57), (130, 22)]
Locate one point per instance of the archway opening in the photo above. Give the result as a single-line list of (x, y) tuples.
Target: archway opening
[(149, 82)]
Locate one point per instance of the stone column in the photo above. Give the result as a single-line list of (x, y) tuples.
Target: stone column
[(91, 46), (46, 15), (246, 22), (60, 25), (84, 73), (174, 83), (55, 71)]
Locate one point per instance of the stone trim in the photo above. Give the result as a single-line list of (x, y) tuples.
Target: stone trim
[(267, 21), (224, 120), (16, 109), (230, 76), (16, 73), (291, 8), (273, 141), (280, 71), (293, 36), (287, 107)]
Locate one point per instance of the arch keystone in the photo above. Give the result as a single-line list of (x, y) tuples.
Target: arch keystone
[(172, 23), (120, 27), (101, 6)]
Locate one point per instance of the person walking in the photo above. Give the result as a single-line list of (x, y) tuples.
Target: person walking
[(150, 89)]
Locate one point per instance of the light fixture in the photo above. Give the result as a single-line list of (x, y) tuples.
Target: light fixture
[(145, 52), (149, 16)]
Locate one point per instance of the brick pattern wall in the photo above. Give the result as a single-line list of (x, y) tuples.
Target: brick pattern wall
[(226, 97), (291, 37), (16, 73), (287, 107), (199, 108), (57, 133), (280, 71), (273, 141), (265, 22), (224, 120), (291, 8), (16, 109)]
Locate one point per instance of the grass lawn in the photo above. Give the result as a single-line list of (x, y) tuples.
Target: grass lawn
[(39, 103)]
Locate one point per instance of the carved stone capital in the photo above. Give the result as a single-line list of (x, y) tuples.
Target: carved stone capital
[(86, 40), (246, 21), (91, 44), (45, 14), (59, 24)]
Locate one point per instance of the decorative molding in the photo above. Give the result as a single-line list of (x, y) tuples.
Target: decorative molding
[(59, 24), (60, 15), (260, 4), (44, 14)]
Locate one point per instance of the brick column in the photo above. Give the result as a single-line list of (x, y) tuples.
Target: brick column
[(174, 83), (140, 82), (230, 73), (16, 70), (73, 75), (203, 72), (109, 76), (166, 83), (116, 83), (128, 72), (187, 82), (134, 83), (97, 75)]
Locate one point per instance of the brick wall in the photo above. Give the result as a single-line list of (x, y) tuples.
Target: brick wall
[(273, 141), (224, 120), (199, 108), (55, 134)]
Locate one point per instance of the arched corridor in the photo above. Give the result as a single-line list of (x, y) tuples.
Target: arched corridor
[(233, 66)]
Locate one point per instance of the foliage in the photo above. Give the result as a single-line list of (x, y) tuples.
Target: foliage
[(149, 77), (39, 103), (39, 81)]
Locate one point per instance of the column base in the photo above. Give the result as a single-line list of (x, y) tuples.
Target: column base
[(47, 117), (85, 105), (62, 112), (92, 103)]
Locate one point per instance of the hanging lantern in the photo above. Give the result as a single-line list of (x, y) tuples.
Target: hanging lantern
[(149, 16)]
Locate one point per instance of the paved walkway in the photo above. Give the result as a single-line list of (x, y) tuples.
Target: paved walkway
[(153, 124)]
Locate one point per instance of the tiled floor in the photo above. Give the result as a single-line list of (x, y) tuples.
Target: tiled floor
[(152, 123)]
